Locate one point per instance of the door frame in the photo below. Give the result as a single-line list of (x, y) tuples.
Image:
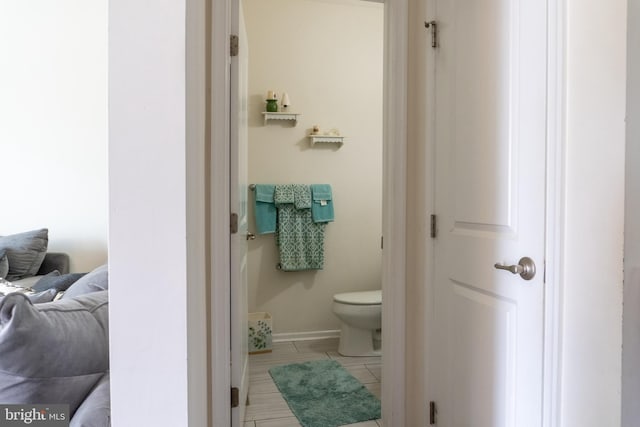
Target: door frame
[(394, 117), (396, 57), (219, 16), (555, 212), (394, 202)]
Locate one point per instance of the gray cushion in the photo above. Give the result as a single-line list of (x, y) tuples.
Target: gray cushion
[(44, 296), (95, 411), (4, 265), (54, 352), (25, 252), (96, 280), (57, 281)]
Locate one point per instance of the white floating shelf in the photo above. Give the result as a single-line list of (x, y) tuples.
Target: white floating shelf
[(326, 138), (281, 116)]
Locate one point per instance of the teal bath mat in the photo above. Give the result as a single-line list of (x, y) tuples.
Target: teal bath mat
[(321, 393)]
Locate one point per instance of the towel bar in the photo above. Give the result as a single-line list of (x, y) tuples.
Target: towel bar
[(252, 186)]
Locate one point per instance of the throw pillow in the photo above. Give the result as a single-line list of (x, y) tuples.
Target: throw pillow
[(55, 280), (96, 280), (54, 352), (25, 252), (4, 264)]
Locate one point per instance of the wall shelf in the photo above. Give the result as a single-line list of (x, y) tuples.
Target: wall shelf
[(281, 116), (313, 139)]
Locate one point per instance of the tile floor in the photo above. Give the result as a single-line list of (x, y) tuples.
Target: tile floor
[(267, 407)]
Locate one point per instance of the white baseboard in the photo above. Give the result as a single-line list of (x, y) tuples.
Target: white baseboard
[(305, 336)]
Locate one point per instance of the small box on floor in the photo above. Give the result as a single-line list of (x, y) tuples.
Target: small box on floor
[(260, 335)]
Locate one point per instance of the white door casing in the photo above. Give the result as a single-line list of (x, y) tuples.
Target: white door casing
[(238, 201), (395, 143), (490, 136), (394, 224)]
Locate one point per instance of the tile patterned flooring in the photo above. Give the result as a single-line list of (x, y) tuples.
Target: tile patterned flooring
[(267, 407)]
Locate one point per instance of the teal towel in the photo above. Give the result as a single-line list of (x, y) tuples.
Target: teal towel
[(300, 240), (302, 196), (265, 209), (322, 206)]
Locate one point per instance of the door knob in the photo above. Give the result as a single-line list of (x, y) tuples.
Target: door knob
[(526, 268), (251, 236)]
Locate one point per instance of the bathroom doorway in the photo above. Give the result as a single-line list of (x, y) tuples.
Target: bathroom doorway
[(327, 56)]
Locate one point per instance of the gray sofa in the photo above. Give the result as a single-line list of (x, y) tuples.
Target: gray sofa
[(58, 352), (53, 262)]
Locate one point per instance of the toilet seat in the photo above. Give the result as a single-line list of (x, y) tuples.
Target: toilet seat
[(359, 298)]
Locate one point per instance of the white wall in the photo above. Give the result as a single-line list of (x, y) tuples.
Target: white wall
[(53, 124), (596, 80), (631, 324), (157, 241), (327, 55)]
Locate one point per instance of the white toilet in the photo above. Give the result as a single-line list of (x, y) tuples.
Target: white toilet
[(361, 317)]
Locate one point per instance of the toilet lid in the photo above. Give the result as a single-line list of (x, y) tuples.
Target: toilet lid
[(359, 298)]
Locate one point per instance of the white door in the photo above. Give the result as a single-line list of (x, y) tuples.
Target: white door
[(490, 133), (238, 202)]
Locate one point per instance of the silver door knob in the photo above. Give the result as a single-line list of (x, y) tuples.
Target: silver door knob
[(526, 268), (251, 236)]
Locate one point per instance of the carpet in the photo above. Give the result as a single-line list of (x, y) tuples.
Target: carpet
[(321, 393)]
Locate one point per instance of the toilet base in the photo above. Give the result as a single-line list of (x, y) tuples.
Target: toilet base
[(356, 342)]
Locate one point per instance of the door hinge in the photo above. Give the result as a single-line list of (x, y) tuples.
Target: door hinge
[(432, 413), (433, 26), (381, 242), (434, 225), (234, 45), (235, 397), (234, 223)]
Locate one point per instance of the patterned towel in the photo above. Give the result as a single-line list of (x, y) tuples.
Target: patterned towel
[(302, 196), (284, 194), (300, 240)]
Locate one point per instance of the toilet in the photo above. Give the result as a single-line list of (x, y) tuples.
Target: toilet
[(361, 316)]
